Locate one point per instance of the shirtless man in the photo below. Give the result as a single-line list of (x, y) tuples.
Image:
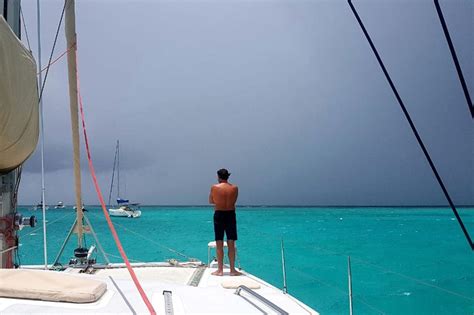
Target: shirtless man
[(223, 196)]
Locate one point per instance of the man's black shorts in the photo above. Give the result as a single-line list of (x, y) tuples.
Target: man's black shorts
[(224, 221)]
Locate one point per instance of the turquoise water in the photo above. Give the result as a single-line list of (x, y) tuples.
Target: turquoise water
[(404, 260)]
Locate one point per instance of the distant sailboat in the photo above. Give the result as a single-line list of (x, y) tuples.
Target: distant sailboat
[(124, 208), (39, 206)]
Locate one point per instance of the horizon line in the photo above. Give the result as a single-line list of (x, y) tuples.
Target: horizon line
[(284, 206)]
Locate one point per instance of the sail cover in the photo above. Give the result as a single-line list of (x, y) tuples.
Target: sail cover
[(18, 100), (122, 201)]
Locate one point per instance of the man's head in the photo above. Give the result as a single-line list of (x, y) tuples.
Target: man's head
[(223, 174)]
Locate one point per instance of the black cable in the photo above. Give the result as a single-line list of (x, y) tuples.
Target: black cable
[(52, 51), (412, 125), (26, 30), (455, 58)]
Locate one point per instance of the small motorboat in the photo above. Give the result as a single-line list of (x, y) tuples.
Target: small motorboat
[(60, 205)]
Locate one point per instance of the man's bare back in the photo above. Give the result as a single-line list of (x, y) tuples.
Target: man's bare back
[(223, 196)]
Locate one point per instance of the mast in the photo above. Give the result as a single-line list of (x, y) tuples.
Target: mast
[(113, 173), (118, 169), (43, 189), (72, 76)]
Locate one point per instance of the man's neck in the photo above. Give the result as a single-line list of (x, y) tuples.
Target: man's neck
[(223, 181)]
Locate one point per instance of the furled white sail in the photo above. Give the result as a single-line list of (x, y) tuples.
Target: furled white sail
[(18, 100)]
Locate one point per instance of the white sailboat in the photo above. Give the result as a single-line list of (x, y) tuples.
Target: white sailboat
[(86, 287), (123, 208)]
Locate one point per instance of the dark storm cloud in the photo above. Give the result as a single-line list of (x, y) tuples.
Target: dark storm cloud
[(286, 94), (59, 157)]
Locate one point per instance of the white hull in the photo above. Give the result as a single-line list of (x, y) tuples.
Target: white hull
[(119, 212), (40, 208), (193, 291)]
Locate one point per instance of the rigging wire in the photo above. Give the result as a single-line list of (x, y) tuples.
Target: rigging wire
[(382, 268), (413, 128), (32, 232), (40, 102), (342, 291), (43, 188), (369, 263), (154, 242), (26, 30), (52, 50), (455, 58)]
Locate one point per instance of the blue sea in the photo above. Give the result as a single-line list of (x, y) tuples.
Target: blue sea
[(404, 260)]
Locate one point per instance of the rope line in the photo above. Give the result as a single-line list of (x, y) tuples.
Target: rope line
[(40, 228), (115, 256), (102, 203), (55, 60)]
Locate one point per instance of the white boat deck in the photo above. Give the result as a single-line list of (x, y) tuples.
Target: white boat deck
[(194, 291)]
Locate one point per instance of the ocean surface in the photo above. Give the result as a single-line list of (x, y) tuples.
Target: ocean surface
[(404, 260)]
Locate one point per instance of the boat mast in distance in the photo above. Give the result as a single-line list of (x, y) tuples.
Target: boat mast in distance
[(113, 172)]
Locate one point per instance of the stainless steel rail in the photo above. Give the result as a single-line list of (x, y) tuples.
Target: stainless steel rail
[(261, 299)]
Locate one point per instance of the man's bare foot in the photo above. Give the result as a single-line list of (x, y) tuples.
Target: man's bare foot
[(218, 273), (235, 273)]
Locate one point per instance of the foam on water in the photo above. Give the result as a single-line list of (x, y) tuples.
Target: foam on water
[(421, 266)]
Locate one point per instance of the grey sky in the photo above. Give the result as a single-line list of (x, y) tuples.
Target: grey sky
[(286, 94)]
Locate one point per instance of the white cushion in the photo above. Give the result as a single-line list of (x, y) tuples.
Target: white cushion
[(49, 286), (236, 281)]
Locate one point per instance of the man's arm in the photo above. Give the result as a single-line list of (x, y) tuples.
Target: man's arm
[(236, 195), (211, 199)]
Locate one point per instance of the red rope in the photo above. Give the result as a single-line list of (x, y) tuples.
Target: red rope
[(104, 209), (55, 60)]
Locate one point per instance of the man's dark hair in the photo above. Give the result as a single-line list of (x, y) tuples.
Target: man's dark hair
[(223, 174)]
